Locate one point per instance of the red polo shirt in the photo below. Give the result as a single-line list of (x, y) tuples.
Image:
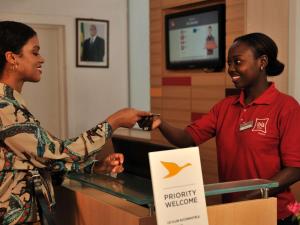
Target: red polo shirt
[(255, 140)]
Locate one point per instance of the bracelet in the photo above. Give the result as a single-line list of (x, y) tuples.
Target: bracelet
[(90, 168), (108, 130)]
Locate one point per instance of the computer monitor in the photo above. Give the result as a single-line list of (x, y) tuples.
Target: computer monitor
[(136, 154)]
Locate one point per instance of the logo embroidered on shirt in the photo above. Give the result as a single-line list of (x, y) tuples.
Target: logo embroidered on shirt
[(261, 125)]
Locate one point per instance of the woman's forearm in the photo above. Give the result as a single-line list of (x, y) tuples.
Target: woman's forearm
[(176, 136), (285, 178)]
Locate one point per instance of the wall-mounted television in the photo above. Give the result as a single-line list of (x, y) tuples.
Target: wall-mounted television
[(196, 38)]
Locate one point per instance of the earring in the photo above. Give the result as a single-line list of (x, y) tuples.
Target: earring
[(14, 67), (261, 68)]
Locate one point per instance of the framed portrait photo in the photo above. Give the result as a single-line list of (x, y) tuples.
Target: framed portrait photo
[(92, 36)]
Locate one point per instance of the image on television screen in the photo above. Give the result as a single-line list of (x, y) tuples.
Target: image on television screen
[(193, 39), (190, 39)]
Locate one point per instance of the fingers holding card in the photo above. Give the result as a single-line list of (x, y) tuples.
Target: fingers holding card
[(146, 122)]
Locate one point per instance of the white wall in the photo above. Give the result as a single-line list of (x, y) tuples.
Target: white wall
[(294, 49), (92, 93), (139, 47)]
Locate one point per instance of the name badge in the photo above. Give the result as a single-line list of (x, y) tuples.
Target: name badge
[(247, 125)]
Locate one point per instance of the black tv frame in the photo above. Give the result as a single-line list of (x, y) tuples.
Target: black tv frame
[(211, 64)]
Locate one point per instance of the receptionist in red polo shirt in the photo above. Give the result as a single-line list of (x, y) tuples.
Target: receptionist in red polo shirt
[(258, 132)]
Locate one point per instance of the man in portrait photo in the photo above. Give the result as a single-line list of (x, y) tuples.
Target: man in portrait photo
[(93, 47)]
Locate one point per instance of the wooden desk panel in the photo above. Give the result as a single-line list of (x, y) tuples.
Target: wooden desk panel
[(254, 212), (78, 204)]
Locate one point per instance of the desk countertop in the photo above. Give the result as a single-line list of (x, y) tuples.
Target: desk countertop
[(154, 137)]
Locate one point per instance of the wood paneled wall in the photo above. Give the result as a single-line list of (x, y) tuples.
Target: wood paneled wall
[(182, 96)]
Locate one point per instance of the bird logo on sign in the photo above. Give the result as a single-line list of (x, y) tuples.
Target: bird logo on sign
[(173, 168)]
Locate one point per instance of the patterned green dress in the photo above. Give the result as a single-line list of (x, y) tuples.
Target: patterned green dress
[(25, 145)]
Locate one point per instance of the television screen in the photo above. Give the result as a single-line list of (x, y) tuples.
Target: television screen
[(196, 38)]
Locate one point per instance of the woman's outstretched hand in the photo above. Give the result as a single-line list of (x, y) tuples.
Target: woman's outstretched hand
[(126, 118)]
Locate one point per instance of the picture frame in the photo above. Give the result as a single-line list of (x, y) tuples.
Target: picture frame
[(92, 41)]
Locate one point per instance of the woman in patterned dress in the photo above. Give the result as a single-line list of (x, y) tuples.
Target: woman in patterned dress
[(26, 146)]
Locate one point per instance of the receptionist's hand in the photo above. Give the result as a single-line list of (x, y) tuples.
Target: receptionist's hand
[(113, 163), (156, 122)]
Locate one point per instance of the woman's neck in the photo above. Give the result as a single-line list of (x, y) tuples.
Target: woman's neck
[(11, 81), (253, 92)]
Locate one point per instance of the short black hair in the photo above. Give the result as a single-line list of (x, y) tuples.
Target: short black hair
[(262, 44), (13, 36)]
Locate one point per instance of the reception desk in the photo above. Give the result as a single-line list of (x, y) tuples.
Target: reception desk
[(79, 203), (127, 200)]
